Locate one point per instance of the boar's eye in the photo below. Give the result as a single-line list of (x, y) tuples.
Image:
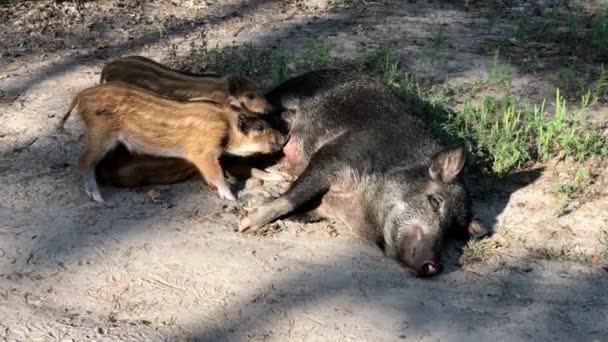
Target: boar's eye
[(436, 201), (250, 96)]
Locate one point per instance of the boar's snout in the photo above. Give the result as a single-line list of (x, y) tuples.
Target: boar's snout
[(429, 269), (420, 252)]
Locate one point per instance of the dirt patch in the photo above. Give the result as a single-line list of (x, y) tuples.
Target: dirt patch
[(164, 262)]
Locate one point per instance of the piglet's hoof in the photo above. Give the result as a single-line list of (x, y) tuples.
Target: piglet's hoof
[(226, 194)]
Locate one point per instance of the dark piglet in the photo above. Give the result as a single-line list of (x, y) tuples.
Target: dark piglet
[(176, 84), (362, 157)]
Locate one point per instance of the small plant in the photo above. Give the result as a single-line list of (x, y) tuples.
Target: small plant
[(564, 134), (550, 29), (248, 61), (200, 56), (317, 55), (524, 29), (573, 24), (495, 131), (383, 62), (491, 18), (573, 81), (599, 37), (603, 239), (161, 30), (574, 188), (499, 73), (565, 253), (507, 133), (279, 60), (476, 251), (433, 51), (600, 88)]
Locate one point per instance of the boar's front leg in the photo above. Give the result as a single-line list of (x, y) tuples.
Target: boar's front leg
[(314, 181)]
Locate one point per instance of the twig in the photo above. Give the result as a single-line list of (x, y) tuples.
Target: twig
[(26, 145)]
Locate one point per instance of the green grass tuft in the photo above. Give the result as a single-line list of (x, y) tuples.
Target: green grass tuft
[(476, 251), (575, 187), (499, 74), (572, 80), (599, 37), (279, 60), (566, 254), (317, 55)]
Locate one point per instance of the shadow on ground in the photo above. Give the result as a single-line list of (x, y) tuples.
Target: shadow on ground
[(510, 304)]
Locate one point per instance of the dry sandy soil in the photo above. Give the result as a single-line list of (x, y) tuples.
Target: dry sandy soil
[(135, 269)]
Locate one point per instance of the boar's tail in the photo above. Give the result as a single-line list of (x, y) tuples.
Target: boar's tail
[(66, 116)]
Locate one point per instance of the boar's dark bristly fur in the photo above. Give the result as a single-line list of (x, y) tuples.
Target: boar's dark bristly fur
[(375, 165)]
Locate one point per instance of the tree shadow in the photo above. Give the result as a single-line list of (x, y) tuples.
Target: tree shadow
[(372, 300), (179, 28)]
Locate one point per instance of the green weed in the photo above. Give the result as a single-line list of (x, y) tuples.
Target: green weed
[(524, 29), (161, 30), (600, 88), (573, 188), (565, 253), (572, 80), (495, 132), (603, 239), (599, 37), (499, 73), (564, 134), (476, 251), (383, 62), (316, 55), (491, 16), (433, 51), (507, 133), (248, 61), (279, 60)]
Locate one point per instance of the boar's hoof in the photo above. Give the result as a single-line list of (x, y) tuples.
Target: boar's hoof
[(244, 225), (253, 222), (261, 216)]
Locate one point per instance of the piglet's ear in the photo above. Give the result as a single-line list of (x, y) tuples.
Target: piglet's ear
[(233, 101), (243, 122), (447, 164), (476, 230)]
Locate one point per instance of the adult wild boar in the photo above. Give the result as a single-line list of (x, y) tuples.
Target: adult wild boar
[(362, 157)]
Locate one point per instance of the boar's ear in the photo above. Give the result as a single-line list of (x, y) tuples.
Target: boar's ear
[(476, 230), (447, 164)]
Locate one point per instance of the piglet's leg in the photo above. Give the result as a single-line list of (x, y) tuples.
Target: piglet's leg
[(210, 169), (314, 181), (96, 146)]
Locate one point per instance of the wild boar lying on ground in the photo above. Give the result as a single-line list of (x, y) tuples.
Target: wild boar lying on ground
[(362, 157)]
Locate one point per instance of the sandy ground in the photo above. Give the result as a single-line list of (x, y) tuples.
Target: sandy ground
[(139, 270)]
